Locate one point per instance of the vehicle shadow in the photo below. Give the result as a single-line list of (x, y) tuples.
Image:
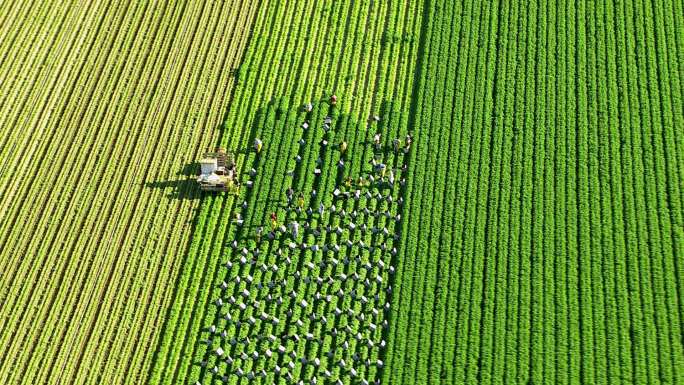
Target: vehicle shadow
[(183, 186)]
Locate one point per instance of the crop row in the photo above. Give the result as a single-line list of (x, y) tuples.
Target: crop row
[(23, 294), (545, 131), (76, 282), (254, 85), (284, 146), (83, 270)]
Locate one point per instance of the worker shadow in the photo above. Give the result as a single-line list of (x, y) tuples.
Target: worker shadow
[(275, 105)]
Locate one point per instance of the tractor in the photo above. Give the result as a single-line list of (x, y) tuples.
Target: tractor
[(217, 171)]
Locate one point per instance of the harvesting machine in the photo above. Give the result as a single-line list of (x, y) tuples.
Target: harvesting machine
[(217, 171)]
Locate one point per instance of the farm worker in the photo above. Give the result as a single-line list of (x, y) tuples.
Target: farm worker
[(295, 229), (333, 100), (397, 144), (274, 221), (409, 139), (300, 201), (258, 144), (376, 118), (380, 167), (376, 140), (289, 193), (321, 208), (343, 147), (348, 181), (259, 231), (308, 107), (391, 178)]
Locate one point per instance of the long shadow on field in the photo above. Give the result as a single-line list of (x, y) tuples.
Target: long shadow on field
[(180, 188), (184, 186)]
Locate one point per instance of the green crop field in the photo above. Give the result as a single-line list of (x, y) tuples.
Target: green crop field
[(530, 231)]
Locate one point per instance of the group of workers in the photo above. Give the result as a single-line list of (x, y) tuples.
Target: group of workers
[(381, 174), (396, 144), (308, 107), (296, 201)]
